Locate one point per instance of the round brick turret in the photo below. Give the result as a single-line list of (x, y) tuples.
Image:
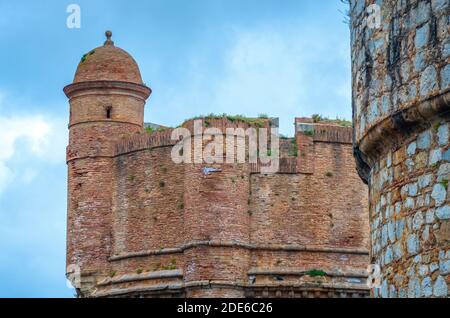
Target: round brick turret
[(108, 63), (401, 102), (107, 101)]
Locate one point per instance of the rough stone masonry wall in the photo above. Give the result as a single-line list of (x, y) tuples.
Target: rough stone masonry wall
[(403, 62), (401, 82), (410, 217)]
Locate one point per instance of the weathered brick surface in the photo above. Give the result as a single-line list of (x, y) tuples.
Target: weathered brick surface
[(401, 100), (89, 214), (108, 63), (319, 210), (89, 108), (224, 228), (147, 198), (141, 225)]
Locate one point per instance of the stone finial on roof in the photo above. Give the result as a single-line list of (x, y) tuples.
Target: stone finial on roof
[(108, 41)]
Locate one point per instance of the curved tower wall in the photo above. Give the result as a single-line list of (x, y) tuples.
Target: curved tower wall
[(216, 212), (101, 112), (401, 101)]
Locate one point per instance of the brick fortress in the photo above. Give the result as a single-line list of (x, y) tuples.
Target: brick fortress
[(140, 225)]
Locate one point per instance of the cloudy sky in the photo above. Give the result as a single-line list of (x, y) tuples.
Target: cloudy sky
[(282, 58)]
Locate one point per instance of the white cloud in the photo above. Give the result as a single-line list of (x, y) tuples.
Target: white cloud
[(281, 70), (41, 138), (35, 130), (5, 176), (2, 98), (28, 175), (264, 72)]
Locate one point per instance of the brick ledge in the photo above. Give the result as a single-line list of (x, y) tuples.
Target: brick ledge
[(181, 287), (196, 244)]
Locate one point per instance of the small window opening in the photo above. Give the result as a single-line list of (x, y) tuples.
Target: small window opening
[(108, 112)]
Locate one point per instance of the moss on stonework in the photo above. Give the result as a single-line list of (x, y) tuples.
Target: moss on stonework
[(338, 121), (259, 122), (85, 56), (294, 147), (151, 130), (316, 273), (318, 282), (171, 266), (435, 166)]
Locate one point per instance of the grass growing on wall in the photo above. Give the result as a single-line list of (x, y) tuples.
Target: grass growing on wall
[(85, 56), (338, 121), (316, 273), (260, 121), (294, 147)]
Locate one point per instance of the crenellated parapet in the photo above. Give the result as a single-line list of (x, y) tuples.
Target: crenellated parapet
[(144, 141)]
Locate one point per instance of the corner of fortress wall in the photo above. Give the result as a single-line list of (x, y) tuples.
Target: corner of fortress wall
[(401, 98)]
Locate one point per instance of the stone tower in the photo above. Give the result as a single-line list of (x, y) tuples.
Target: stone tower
[(401, 103), (107, 100)]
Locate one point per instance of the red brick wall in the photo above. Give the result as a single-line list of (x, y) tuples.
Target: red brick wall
[(148, 202), (151, 216), (217, 210), (89, 213), (326, 209)]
